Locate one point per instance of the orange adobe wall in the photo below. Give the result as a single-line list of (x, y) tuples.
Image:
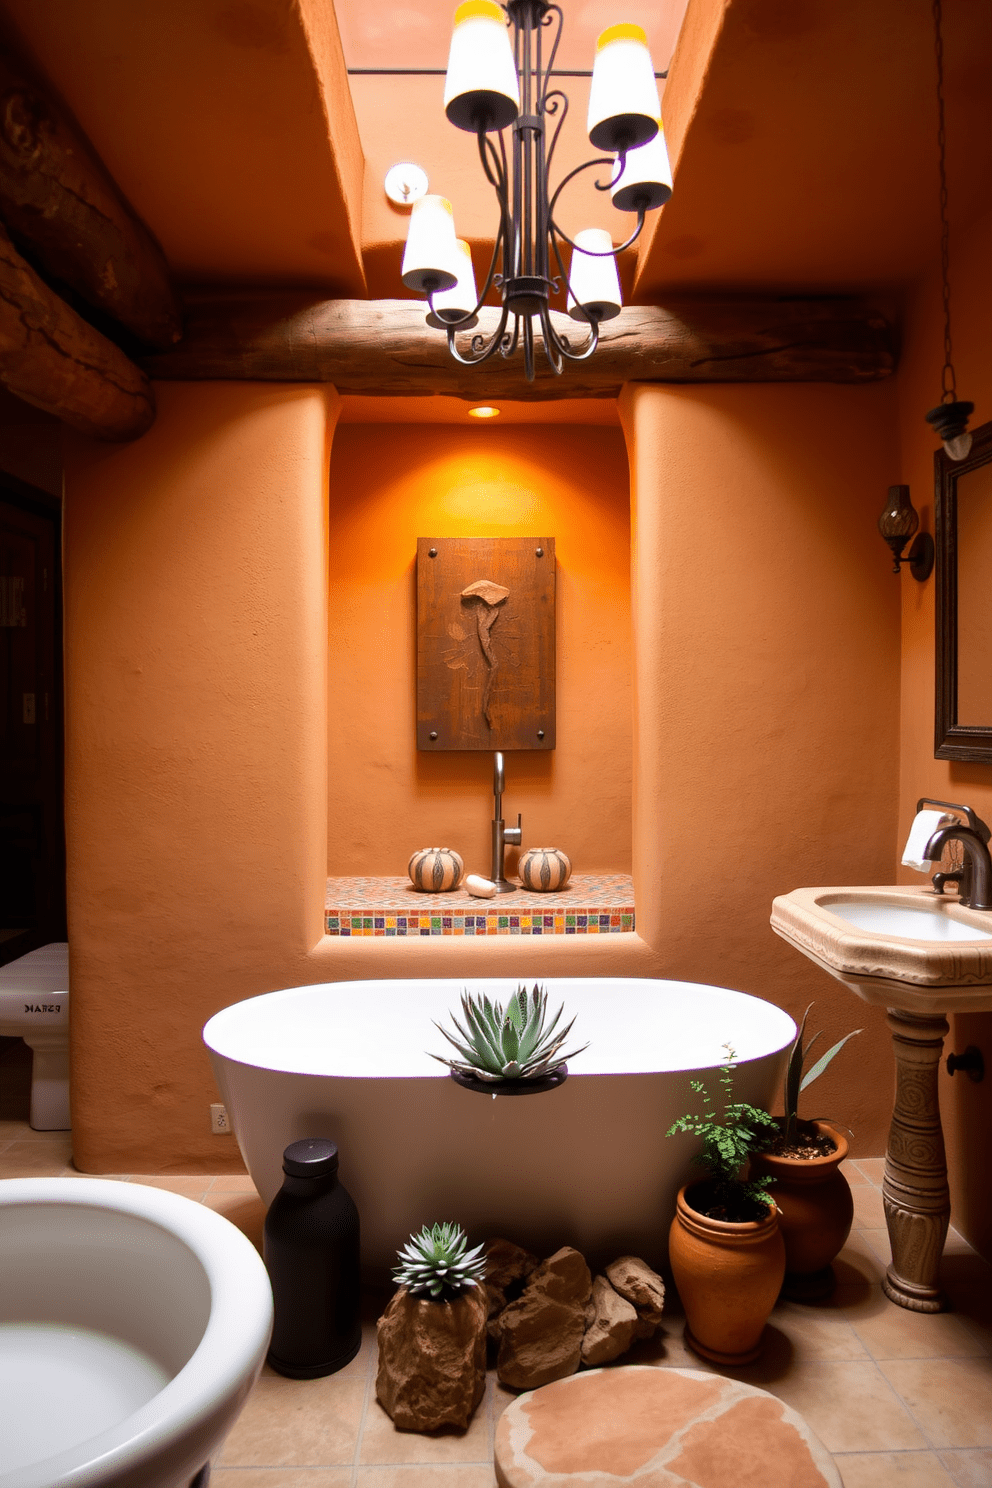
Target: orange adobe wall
[(764, 710), (391, 484), (966, 1107), (195, 771), (766, 644)]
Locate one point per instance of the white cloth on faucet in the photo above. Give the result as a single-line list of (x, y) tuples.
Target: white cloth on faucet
[(925, 823)]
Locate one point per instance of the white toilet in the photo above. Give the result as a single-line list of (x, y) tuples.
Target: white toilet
[(34, 1006)]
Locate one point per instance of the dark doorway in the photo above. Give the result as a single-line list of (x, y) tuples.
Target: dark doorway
[(32, 833)]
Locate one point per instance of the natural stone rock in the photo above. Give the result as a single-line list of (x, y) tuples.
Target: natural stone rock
[(432, 1359), (540, 1334), (507, 1263), (563, 1277), (540, 1340), (643, 1288), (611, 1322)]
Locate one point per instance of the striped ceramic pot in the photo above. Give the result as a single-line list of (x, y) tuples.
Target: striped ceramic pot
[(544, 869), (433, 870)]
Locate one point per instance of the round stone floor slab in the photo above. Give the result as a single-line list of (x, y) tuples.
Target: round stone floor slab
[(657, 1428)]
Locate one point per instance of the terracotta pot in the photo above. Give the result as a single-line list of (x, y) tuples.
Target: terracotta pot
[(815, 1213), (728, 1276)]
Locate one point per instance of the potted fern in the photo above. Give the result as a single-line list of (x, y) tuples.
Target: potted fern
[(803, 1157), (509, 1050), (725, 1246), (432, 1335)]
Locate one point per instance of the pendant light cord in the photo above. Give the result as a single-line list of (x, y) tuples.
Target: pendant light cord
[(947, 380)]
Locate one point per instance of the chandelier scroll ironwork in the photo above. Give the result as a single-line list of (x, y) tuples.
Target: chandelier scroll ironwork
[(494, 95)]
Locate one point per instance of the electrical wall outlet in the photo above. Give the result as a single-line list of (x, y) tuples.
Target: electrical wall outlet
[(219, 1124)]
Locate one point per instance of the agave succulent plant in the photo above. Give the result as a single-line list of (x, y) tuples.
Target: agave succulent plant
[(438, 1262), (508, 1043)]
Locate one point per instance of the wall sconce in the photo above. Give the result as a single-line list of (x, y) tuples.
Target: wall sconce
[(897, 524)]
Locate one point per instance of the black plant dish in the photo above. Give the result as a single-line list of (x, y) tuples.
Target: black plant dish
[(550, 1081)]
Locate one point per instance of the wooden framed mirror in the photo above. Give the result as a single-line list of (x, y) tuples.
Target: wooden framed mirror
[(963, 535)]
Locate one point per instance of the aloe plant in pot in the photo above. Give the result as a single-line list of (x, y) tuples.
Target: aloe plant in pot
[(432, 1335), (804, 1157), (509, 1050), (725, 1247)]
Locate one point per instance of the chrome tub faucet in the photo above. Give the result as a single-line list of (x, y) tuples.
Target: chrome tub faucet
[(503, 836)]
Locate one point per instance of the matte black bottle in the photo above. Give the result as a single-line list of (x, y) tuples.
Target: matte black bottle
[(312, 1253)]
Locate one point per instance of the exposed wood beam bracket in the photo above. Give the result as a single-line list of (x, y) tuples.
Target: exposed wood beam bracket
[(51, 357), (384, 347), (67, 216)]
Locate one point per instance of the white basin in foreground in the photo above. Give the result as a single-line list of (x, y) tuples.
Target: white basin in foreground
[(894, 946), (133, 1323)]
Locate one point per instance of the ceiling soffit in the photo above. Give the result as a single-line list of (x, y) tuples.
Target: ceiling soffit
[(228, 125), (806, 144)]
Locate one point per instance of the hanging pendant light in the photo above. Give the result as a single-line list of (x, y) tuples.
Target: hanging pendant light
[(950, 417), (499, 79)]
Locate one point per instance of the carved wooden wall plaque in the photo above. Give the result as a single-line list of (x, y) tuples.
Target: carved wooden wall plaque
[(485, 643)]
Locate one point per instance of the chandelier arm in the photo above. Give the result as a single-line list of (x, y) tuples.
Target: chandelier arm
[(543, 94), (552, 109), (562, 342), (587, 165), (486, 351), (512, 339), (500, 236), (589, 319), (529, 349), (607, 252), (552, 344)]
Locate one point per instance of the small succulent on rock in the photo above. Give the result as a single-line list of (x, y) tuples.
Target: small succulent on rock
[(437, 1262), (507, 1043)]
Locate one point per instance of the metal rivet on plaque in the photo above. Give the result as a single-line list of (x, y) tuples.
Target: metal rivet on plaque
[(432, 553), (540, 733), (539, 552), (434, 734)]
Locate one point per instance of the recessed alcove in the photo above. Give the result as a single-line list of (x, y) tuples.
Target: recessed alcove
[(390, 483)]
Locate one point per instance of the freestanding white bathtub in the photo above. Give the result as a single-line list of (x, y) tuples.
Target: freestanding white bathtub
[(588, 1164)]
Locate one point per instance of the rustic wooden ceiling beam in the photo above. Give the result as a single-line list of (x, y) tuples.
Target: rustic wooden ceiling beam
[(384, 347), (51, 357), (67, 216)]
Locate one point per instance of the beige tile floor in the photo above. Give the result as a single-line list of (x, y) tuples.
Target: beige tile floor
[(902, 1400)]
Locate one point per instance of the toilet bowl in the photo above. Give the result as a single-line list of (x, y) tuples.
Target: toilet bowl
[(34, 1006), (133, 1324)]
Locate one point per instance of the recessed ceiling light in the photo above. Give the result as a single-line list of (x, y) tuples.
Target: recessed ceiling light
[(483, 411), (405, 184)]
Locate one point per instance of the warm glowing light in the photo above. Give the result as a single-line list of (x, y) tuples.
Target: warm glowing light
[(430, 251), (483, 412), (593, 276), (481, 89), (646, 179), (458, 303), (624, 109)]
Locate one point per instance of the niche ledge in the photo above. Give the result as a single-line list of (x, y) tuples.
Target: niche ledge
[(590, 904)]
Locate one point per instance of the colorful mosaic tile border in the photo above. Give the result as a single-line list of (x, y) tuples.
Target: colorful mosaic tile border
[(592, 904)]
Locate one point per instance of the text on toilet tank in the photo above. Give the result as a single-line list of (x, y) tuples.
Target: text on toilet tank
[(42, 1007)]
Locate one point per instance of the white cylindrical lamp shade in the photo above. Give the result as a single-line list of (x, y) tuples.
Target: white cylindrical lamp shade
[(624, 107), (481, 90), (429, 256), (454, 304), (594, 282), (646, 179)]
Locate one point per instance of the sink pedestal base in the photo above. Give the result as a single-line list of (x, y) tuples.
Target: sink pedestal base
[(914, 1190)]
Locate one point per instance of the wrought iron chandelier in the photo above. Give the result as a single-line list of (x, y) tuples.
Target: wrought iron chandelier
[(494, 85)]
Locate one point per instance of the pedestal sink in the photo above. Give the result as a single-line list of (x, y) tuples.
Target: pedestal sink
[(920, 956)]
